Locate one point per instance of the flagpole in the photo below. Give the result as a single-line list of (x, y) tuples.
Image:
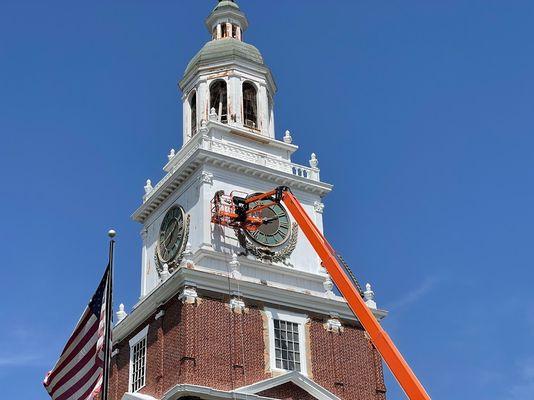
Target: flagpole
[(109, 319)]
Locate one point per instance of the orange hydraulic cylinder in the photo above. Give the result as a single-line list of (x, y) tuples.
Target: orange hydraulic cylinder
[(381, 340)]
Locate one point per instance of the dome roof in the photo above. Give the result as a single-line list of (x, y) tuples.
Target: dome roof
[(228, 48), (223, 3)]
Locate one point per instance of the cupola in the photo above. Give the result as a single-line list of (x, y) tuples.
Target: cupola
[(227, 21), (227, 81)]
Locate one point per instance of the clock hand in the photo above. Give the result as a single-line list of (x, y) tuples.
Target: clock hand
[(169, 234), (267, 220)]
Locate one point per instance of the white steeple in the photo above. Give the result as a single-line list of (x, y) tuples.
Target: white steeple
[(229, 145)]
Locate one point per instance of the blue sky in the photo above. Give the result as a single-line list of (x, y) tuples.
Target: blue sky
[(420, 112)]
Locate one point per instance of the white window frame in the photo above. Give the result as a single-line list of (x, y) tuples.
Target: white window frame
[(301, 320), (142, 335)]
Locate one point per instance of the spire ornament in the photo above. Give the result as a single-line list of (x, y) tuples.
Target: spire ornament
[(314, 162), (164, 275), (121, 314), (288, 138), (328, 286), (148, 187), (213, 114), (187, 260), (369, 297)]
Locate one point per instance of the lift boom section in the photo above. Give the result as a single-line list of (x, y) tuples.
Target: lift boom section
[(245, 212)]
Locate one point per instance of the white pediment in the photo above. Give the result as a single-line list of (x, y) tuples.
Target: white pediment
[(294, 377)]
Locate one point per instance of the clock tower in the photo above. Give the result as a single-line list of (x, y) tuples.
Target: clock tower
[(225, 313)]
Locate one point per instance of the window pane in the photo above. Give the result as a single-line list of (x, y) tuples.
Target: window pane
[(138, 365), (287, 347)]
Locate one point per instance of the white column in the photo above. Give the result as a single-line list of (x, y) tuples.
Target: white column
[(263, 110), (144, 262), (271, 118), (318, 208), (184, 120), (202, 101), (205, 196), (234, 95)]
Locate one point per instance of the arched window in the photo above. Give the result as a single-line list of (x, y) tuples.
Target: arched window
[(193, 108), (219, 100), (250, 105)]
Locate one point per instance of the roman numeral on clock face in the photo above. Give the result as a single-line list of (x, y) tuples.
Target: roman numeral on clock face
[(276, 227)]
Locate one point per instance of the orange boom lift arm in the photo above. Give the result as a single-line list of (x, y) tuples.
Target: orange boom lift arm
[(245, 212)]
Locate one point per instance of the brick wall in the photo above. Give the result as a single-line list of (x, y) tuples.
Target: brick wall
[(206, 344), (287, 391), (346, 363)]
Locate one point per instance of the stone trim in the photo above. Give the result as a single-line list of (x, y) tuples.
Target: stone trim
[(302, 321), (293, 377), (209, 280)]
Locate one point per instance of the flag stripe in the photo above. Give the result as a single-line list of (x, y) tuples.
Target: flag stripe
[(75, 337), (90, 347), (80, 386), (81, 324), (89, 393), (88, 337), (82, 375), (78, 374), (74, 371), (73, 365)]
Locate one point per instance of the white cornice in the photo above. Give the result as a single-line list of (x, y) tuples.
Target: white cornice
[(203, 149), (214, 281), (229, 63), (237, 130)]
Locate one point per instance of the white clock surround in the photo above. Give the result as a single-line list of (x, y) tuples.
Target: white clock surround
[(224, 157)]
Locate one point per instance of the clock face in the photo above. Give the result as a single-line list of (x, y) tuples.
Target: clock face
[(275, 229), (171, 234)]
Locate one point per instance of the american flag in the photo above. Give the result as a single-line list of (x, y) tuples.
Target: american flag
[(78, 374)]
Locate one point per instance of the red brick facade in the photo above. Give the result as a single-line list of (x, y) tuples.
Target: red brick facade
[(208, 345), (287, 391)]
